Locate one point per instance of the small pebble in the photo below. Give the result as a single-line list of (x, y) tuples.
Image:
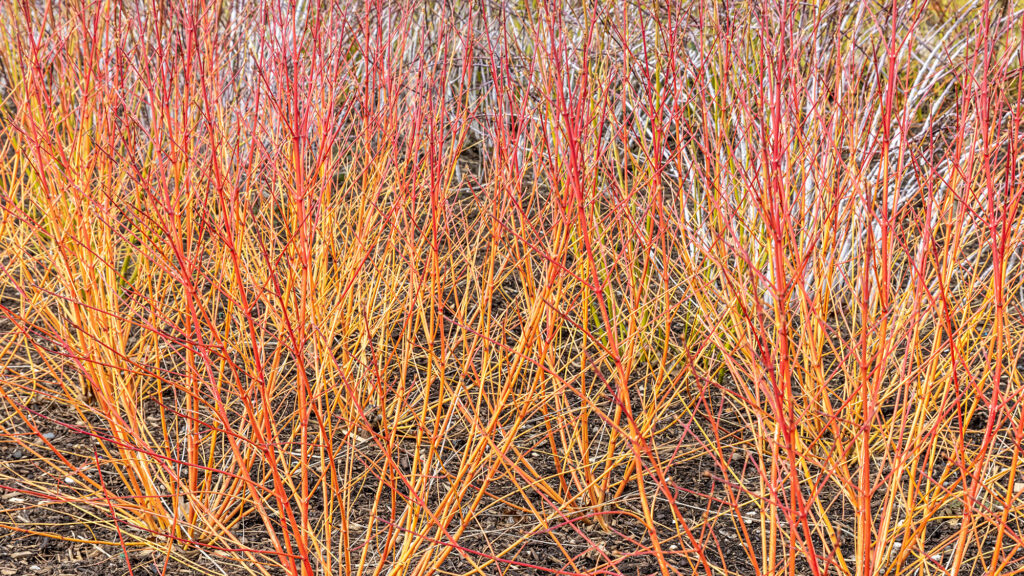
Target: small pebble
[(49, 436), (69, 480)]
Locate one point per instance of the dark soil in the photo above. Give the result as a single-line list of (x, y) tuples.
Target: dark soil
[(56, 539)]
